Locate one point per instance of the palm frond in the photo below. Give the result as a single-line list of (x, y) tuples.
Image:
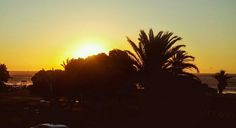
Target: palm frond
[(191, 75), (189, 66), (136, 60), (159, 35), (151, 35), (135, 48), (143, 38), (172, 51)]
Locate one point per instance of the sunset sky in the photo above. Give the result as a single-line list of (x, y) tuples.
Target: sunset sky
[(36, 34)]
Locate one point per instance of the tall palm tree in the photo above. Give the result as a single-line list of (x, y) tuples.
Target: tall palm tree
[(222, 77), (154, 51), (157, 53)]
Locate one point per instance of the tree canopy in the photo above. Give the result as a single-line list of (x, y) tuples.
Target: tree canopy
[(222, 77), (4, 73)]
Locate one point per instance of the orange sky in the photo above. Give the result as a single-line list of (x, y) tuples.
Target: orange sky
[(41, 34)]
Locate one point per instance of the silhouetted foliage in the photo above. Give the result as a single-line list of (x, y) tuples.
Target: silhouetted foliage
[(157, 53), (102, 78), (48, 84), (180, 62), (222, 77), (155, 78), (96, 79), (164, 72), (4, 76)]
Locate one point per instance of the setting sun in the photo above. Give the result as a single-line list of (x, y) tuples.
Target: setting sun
[(87, 50), (117, 63)]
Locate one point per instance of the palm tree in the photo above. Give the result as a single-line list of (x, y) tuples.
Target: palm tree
[(222, 77), (162, 65), (180, 63), (4, 74), (156, 54)]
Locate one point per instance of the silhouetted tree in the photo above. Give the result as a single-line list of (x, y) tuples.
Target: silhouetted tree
[(4, 75), (222, 77), (164, 72), (102, 78), (154, 51), (71, 65), (96, 80), (157, 53), (124, 71), (84, 76), (48, 84), (180, 63)]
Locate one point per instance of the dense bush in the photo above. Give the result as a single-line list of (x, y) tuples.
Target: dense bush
[(4, 76), (98, 78)]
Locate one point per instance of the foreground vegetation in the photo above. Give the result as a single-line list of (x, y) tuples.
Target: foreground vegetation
[(151, 87)]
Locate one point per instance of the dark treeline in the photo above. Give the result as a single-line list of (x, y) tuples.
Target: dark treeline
[(4, 76), (155, 79), (98, 78), (153, 86)]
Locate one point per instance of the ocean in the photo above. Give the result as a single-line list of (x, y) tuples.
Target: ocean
[(20, 78), (208, 78), (23, 78)]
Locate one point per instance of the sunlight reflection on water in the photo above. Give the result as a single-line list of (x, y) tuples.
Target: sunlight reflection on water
[(20, 78)]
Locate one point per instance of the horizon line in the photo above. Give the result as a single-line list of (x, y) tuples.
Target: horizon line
[(60, 69)]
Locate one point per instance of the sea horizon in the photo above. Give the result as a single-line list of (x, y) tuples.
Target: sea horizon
[(23, 78), (202, 73)]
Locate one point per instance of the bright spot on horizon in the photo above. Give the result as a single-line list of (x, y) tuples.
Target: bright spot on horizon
[(87, 50)]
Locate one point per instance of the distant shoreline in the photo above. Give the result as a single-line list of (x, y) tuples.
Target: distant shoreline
[(204, 73), (13, 73), (19, 76)]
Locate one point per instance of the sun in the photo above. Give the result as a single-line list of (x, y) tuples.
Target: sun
[(87, 50)]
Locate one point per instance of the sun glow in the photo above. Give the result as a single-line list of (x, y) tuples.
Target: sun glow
[(88, 49)]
